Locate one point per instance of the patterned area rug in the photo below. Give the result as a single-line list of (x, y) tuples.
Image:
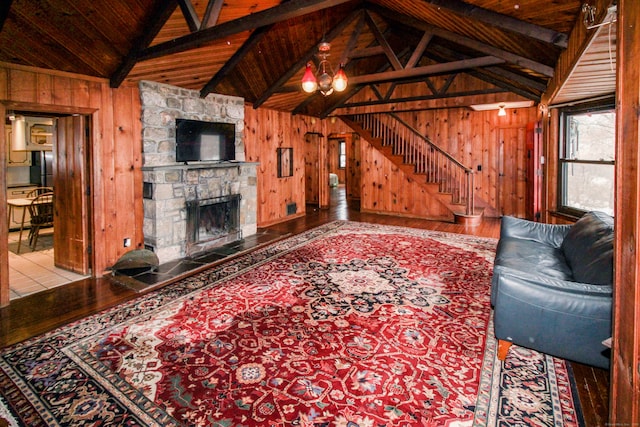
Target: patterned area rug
[(346, 325)]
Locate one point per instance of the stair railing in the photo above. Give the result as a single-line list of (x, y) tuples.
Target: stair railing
[(436, 164)]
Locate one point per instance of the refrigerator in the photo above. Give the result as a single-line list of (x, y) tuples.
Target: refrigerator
[(41, 170)]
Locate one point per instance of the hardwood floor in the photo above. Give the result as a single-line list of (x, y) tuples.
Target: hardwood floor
[(41, 312)]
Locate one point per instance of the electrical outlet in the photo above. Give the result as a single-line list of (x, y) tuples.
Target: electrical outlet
[(127, 242)]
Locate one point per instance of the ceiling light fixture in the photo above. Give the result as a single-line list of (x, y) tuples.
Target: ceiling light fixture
[(324, 79), (18, 133)]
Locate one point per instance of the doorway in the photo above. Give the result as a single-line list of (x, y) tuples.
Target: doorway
[(59, 253)]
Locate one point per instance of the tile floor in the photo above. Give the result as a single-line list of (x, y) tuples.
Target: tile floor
[(33, 271)]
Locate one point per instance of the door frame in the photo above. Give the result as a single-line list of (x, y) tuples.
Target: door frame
[(42, 109)]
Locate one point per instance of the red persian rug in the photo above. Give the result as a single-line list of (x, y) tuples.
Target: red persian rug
[(346, 325)]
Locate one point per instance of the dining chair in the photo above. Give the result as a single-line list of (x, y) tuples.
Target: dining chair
[(38, 190), (41, 211)]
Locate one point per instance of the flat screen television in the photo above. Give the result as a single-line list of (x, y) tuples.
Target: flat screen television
[(204, 141)]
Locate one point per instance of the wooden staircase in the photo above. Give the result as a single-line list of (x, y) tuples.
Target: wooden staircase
[(442, 176)]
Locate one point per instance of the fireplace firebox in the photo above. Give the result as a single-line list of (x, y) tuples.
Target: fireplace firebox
[(212, 222)]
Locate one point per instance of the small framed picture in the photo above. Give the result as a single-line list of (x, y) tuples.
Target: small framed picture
[(285, 162)]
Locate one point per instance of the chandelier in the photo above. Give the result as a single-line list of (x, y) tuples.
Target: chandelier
[(324, 79)]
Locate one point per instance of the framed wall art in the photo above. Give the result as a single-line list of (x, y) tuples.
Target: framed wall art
[(285, 162)]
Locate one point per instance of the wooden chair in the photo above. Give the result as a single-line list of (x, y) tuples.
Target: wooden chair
[(41, 211), (39, 190)]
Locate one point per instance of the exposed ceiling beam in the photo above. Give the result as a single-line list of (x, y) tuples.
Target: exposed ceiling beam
[(282, 12), (246, 47), (212, 14), (443, 54), (419, 51), (424, 97), (309, 54), (427, 70), (450, 55), (156, 21), (190, 15), (504, 22), (354, 89), (366, 52), (388, 51), (4, 11), (464, 41)]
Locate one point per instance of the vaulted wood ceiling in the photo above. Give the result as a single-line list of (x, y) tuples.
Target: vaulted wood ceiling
[(258, 49)]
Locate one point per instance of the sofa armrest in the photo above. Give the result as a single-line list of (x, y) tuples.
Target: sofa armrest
[(562, 318), (549, 234)]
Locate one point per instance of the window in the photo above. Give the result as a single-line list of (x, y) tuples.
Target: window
[(342, 154), (587, 159)]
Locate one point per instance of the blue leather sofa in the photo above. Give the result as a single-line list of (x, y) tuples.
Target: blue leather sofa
[(552, 287)]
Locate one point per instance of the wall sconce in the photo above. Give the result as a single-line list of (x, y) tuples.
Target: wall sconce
[(501, 111), (18, 133)]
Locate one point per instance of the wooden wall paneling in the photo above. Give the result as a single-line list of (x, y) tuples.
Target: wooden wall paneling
[(45, 88), (472, 138), (128, 161), (354, 184), (386, 189), (323, 172), (63, 90), (311, 170), (265, 131), (625, 370), (48, 91), (22, 86), (5, 295)]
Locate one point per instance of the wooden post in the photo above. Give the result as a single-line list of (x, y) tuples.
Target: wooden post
[(625, 369)]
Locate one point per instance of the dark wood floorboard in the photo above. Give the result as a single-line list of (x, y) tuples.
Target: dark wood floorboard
[(35, 314)]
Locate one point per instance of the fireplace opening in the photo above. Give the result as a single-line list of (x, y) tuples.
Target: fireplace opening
[(212, 222)]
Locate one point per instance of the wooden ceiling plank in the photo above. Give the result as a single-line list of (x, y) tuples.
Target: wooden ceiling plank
[(228, 66), (427, 70), (282, 12), (212, 14), (190, 15), (156, 21), (4, 11), (335, 31), (464, 41), (388, 51), (504, 22)]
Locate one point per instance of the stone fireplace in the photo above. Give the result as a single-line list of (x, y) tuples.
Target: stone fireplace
[(194, 206)]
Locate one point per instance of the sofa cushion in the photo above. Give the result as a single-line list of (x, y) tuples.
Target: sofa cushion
[(532, 257), (588, 249)]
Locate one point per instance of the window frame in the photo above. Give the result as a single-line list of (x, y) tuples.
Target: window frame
[(342, 154), (607, 104)]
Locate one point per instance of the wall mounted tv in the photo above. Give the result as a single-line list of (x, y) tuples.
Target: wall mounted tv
[(204, 141)]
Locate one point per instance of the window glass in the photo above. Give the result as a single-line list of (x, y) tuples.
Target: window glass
[(587, 167), (342, 154)]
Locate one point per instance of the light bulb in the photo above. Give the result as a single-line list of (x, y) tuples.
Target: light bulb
[(309, 83), (340, 80)]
